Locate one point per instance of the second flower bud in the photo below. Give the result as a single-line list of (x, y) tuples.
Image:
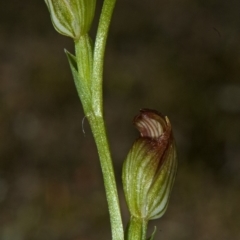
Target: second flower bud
[(72, 18)]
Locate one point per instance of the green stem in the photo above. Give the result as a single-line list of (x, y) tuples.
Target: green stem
[(137, 229), (98, 56), (89, 86), (99, 132)]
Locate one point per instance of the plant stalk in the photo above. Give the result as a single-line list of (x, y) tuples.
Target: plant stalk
[(99, 133), (137, 229), (98, 56), (89, 86)]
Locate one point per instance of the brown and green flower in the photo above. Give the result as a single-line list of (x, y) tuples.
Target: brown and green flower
[(150, 168)]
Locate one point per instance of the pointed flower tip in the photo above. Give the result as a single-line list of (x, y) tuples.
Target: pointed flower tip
[(150, 168)]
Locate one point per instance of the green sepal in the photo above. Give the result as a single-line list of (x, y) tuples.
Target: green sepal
[(159, 193), (138, 173), (82, 89), (153, 234)]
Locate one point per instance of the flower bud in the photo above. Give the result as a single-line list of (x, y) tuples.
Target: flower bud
[(72, 18), (150, 168)]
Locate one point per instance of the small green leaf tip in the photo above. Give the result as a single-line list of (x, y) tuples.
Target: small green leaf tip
[(150, 167), (72, 18), (153, 234)]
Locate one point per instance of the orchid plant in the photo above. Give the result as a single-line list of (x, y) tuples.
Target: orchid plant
[(150, 167)]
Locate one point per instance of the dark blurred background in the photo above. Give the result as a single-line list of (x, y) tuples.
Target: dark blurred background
[(179, 57)]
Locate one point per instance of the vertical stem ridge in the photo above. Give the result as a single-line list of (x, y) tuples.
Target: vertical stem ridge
[(99, 132), (98, 55)]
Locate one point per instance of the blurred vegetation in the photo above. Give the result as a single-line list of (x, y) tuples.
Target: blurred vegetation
[(179, 57)]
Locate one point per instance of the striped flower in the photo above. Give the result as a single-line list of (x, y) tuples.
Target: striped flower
[(150, 168), (72, 18)]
